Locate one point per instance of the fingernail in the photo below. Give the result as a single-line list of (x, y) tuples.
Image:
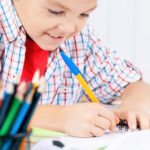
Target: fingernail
[(133, 127)]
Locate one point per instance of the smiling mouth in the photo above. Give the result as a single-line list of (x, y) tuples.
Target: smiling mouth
[(55, 36)]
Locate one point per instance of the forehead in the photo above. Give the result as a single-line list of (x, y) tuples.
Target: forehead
[(74, 4)]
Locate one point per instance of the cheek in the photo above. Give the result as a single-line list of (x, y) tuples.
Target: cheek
[(38, 26), (80, 25)]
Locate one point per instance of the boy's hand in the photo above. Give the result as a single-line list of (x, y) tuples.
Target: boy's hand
[(88, 119), (133, 113)]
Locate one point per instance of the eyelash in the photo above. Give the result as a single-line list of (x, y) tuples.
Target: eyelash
[(60, 12), (55, 12), (85, 15)]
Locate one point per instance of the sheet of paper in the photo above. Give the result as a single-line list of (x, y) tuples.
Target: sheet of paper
[(109, 140), (46, 144), (139, 140), (93, 143)]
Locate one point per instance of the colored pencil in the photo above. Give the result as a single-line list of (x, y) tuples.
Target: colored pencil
[(35, 80), (27, 118), (20, 116), (13, 110), (34, 103), (6, 103), (74, 69), (8, 97)]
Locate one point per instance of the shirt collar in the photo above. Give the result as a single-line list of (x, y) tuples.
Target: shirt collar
[(10, 23), (63, 47)]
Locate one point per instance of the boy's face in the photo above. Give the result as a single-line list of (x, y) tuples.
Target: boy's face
[(50, 22)]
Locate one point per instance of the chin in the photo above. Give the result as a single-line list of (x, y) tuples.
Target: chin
[(48, 47)]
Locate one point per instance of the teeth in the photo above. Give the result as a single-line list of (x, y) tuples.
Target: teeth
[(54, 36)]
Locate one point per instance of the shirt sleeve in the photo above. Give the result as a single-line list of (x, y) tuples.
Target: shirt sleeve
[(106, 72)]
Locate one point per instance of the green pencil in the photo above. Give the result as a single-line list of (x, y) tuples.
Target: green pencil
[(12, 111)]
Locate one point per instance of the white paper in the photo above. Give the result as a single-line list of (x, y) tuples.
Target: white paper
[(119, 140), (139, 140)]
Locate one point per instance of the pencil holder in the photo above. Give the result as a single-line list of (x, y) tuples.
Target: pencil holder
[(16, 141)]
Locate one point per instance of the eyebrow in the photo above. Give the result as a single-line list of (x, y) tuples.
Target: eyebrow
[(62, 6), (57, 4), (92, 8)]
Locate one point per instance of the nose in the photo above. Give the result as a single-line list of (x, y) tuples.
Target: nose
[(68, 27)]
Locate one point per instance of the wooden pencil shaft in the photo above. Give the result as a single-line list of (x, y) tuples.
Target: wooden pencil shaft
[(29, 93), (28, 116), (20, 91), (5, 107), (10, 117), (31, 111)]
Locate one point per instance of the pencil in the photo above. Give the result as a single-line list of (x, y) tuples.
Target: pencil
[(34, 103), (6, 103), (74, 69), (20, 116), (35, 81), (16, 81), (13, 110), (8, 97)]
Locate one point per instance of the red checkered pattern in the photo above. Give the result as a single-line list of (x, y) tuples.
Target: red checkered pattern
[(105, 71)]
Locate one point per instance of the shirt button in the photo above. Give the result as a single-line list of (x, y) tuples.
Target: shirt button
[(65, 90)]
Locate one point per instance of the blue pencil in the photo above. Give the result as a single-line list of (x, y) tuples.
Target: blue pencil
[(34, 104), (20, 116)]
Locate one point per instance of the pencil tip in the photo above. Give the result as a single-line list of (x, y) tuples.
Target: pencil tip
[(21, 90), (60, 49), (42, 84), (22, 87), (10, 89), (36, 76), (41, 89), (42, 81)]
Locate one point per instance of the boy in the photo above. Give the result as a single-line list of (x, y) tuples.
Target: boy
[(31, 34)]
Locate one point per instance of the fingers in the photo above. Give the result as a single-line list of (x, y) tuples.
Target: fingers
[(110, 116), (117, 119), (131, 118), (144, 121), (134, 119), (101, 122), (96, 131)]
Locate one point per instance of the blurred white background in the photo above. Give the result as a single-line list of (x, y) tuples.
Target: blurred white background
[(124, 25)]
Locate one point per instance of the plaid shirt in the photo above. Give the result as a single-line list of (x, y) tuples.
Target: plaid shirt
[(106, 72)]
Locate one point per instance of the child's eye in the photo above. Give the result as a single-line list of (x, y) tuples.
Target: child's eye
[(84, 15), (55, 12)]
